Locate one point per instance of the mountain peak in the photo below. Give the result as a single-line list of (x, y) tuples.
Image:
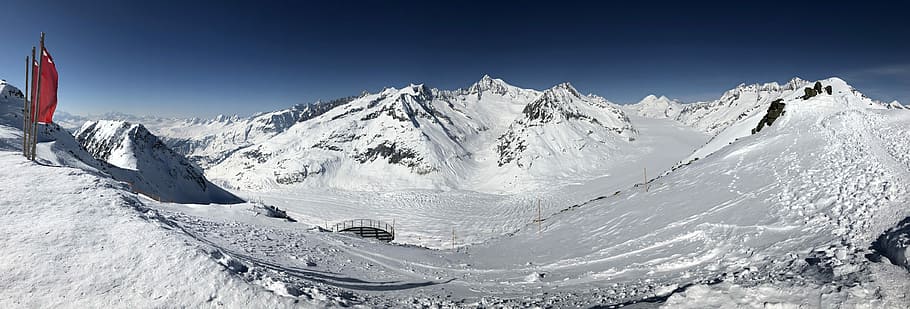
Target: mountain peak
[(489, 84), (564, 87), (653, 106), (654, 98)]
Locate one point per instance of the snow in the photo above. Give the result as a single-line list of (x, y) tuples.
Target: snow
[(783, 218), (652, 106), (423, 138), (72, 239)]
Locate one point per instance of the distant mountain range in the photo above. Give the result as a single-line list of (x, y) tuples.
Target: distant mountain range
[(489, 136)]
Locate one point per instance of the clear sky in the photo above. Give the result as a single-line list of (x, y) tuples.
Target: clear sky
[(196, 58)]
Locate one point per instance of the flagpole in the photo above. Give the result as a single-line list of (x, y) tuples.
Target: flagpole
[(31, 105), (38, 100), (25, 111)]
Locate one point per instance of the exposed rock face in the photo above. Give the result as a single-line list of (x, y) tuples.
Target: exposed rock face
[(775, 110), (895, 244), (817, 90), (810, 92)]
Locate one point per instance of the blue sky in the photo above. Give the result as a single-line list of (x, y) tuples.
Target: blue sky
[(196, 58)]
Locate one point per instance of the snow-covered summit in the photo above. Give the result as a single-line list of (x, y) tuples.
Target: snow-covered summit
[(560, 124), (652, 106), (489, 84)]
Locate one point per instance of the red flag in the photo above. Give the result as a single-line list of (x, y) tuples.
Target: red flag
[(47, 99)]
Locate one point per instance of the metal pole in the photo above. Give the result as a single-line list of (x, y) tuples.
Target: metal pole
[(25, 110), (31, 104), (38, 100)]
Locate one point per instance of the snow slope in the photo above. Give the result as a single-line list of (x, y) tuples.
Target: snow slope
[(735, 104), (74, 237), (782, 218), (131, 147)]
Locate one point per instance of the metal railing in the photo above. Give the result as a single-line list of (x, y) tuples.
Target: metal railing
[(344, 225)]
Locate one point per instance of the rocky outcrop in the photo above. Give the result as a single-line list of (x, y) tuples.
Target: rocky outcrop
[(810, 92), (894, 244), (817, 89), (774, 111)]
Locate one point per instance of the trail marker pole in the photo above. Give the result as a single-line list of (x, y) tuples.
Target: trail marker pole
[(538, 216), (646, 180), (453, 238)]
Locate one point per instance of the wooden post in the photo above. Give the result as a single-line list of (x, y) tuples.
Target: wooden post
[(646, 180), (38, 99), (25, 110)]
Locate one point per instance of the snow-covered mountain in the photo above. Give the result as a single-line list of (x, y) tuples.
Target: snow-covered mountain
[(652, 106), (802, 198), (208, 142), (420, 137), (759, 220), (727, 128), (735, 104), (897, 105), (561, 124), (136, 156), (161, 172)]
